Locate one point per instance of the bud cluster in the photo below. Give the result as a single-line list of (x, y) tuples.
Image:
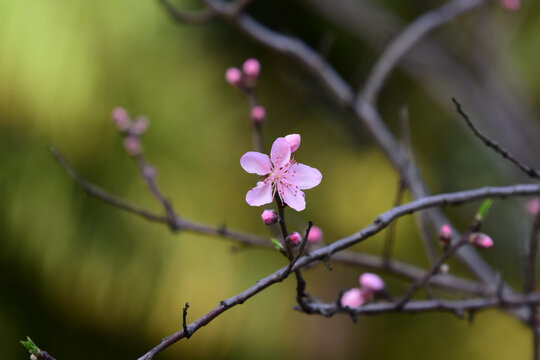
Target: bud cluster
[(131, 129), (370, 285)]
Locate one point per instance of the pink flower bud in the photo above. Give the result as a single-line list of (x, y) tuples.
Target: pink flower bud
[(234, 76), (294, 239), (533, 206), (445, 234), (132, 145), (258, 114), (270, 217), (140, 125), (353, 298), (511, 4), (481, 240), (294, 141), (252, 68), (371, 282), (121, 118), (315, 235)]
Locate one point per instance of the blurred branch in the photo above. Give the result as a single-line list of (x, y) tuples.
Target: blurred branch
[(533, 173), (380, 223), (530, 262), (179, 224), (408, 38), (185, 17)]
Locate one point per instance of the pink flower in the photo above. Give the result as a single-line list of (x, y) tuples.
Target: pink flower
[(445, 234), (294, 141), (284, 176), (258, 113), (315, 235), (252, 68), (234, 76), (269, 217), (371, 283), (132, 145), (353, 298), (481, 240), (511, 4), (294, 239), (533, 206)]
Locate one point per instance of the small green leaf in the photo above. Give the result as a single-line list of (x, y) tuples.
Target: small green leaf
[(277, 244), (484, 209), (30, 346)]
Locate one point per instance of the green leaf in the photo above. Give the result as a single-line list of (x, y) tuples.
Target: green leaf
[(484, 209), (277, 244), (30, 346)]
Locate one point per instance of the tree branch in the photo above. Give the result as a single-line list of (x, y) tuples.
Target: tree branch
[(380, 223)]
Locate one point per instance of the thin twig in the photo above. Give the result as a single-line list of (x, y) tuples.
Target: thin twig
[(391, 232), (184, 321), (530, 171)]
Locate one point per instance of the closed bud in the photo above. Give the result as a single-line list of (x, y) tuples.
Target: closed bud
[(445, 234), (293, 240), (294, 141), (234, 76), (140, 125), (315, 235), (533, 206), (251, 68), (132, 145), (353, 298), (481, 240), (371, 283), (121, 118), (258, 114), (270, 217)]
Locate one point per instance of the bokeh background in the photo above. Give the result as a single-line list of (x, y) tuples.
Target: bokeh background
[(88, 281)]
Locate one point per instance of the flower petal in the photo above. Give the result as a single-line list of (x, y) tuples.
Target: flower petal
[(293, 197), (280, 153), (260, 195), (303, 176), (256, 163)]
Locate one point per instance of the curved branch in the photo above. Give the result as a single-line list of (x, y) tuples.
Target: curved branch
[(408, 38)]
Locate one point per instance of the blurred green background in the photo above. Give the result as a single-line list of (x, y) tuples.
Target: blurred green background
[(88, 281)]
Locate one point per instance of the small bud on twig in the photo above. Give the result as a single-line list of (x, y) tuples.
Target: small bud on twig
[(481, 240), (315, 235), (294, 239), (371, 283), (258, 114), (234, 76), (533, 206), (270, 217), (353, 298), (445, 234)]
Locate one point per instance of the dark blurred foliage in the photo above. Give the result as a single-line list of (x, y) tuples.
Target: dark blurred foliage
[(88, 281)]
